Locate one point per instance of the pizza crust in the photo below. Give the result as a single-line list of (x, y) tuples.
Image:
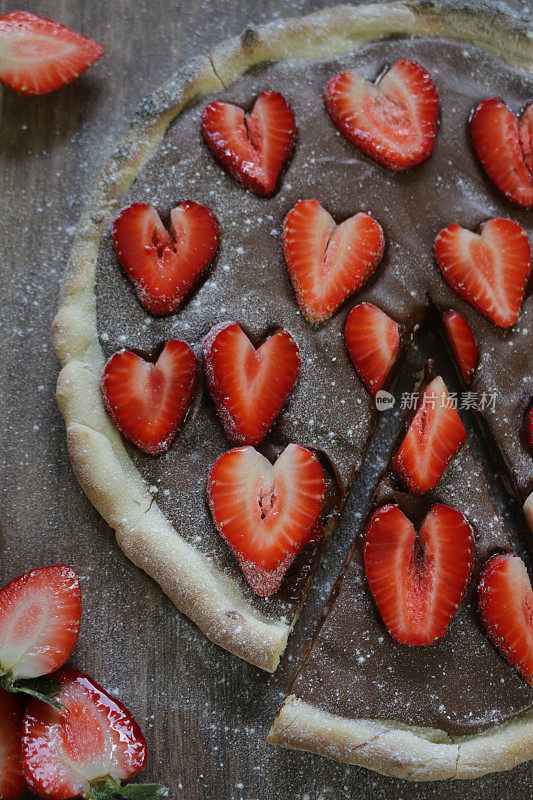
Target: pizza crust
[(402, 751), (212, 599)]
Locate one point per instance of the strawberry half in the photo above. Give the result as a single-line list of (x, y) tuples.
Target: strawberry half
[(266, 513), (38, 55), (40, 615), (528, 510), (327, 262), (505, 601), (249, 387), (148, 402), (489, 270), (164, 267), (418, 581), (504, 145), (433, 438), (252, 147), (12, 782), (462, 342), (373, 342), (87, 747), (393, 121)]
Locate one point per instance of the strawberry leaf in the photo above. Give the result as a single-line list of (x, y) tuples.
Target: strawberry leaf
[(107, 788), (43, 688), (142, 791)]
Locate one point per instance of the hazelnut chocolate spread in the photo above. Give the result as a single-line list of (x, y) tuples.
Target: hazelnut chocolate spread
[(330, 410), (459, 684)]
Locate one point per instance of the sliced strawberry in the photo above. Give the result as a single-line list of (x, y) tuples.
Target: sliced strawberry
[(504, 147), (489, 270), (12, 782), (529, 426), (252, 147), (164, 267), (38, 55), (528, 510), (505, 601), (40, 614), (462, 342), (526, 138), (266, 513), (91, 743), (148, 402), (393, 121), (373, 342), (418, 581), (249, 387), (327, 262), (433, 438)]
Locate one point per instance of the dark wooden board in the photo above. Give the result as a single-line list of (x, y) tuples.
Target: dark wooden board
[(205, 714)]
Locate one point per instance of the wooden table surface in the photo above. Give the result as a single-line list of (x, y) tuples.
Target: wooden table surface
[(205, 714)]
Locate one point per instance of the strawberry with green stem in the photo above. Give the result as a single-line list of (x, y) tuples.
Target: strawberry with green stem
[(40, 615), (86, 747)]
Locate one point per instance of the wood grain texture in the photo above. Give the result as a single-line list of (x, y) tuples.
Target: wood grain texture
[(205, 714)]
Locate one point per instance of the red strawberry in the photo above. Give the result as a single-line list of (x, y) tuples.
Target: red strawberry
[(327, 262), (249, 387), (87, 747), (163, 267), (530, 427), (526, 138), (253, 147), (393, 121), (462, 342), (266, 513), (11, 780), (528, 510), (38, 55), (373, 342), (149, 401), (40, 614), (505, 601), (504, 147), (418, 581), (433, 438), (489, 270)]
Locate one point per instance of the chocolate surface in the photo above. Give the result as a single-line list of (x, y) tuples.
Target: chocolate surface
[(460, 684), (329, 410)]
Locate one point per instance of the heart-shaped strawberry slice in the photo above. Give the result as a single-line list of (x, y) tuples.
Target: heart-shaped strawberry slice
[(149, 401), (373, 342), (266, 512), (327, 262), (418, 581), (504, 145), (393, 121), (489, 270), (165, 266), (252, 147), (249, 387), (505, 600)]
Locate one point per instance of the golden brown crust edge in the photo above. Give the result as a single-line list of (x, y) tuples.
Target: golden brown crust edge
[(100, 460), (401, 751)]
